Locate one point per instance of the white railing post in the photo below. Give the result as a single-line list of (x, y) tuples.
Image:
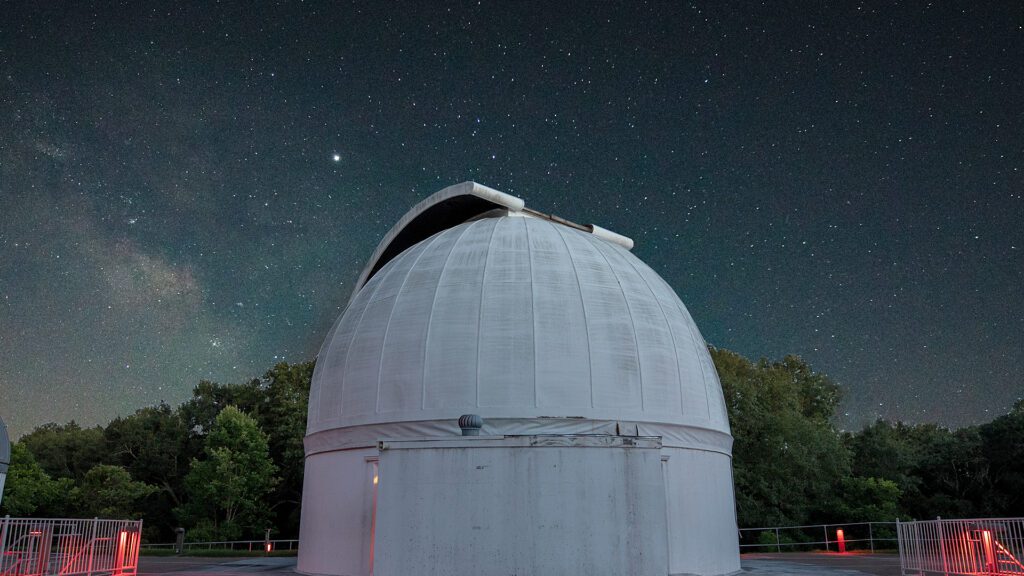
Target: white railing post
[(92, 545), (899, 546), (942, 542), (3, 541)]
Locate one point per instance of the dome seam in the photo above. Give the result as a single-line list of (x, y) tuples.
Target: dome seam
[(697, 349), (533, 311), (583, 305), (355, 330), (433, 306), (632, 320), (441, 350), (671, 335), (391, 315), (694, 337), (324, 349), (480, 311)]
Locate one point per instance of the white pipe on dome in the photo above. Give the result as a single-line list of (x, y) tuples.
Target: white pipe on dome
[(507, 200), (613, 237)]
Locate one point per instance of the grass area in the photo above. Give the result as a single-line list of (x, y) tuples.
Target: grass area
[(216, 553)]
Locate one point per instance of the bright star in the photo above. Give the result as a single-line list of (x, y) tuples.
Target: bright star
[(336, 157)]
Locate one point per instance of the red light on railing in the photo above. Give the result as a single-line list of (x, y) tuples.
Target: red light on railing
[(989, 551), (841, 538), (122, 543), (269, 547)]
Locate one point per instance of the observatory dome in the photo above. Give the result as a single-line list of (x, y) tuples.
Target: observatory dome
[(515, 317), (596, 437)]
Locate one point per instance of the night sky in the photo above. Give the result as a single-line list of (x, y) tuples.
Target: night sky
[(189, 192)]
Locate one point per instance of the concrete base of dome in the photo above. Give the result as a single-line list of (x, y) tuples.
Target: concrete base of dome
[(537, 504), (540, 505)]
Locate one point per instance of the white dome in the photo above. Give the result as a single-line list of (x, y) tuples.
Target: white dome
[(592, 381), (595, 334)]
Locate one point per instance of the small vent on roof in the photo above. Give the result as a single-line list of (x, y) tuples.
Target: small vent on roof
[(471, 424)]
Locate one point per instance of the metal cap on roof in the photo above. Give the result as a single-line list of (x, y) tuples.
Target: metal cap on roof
[(456, 205)]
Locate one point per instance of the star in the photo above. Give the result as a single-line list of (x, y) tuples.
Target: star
[(336, 157)]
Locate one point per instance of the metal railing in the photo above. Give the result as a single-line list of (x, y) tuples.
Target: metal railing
[(250, 545), (981, 546), (832, 537), (69, 547)]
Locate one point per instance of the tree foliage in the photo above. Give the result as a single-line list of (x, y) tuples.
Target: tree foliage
[(787, 456), (109, 492), (68, 450), (154, 446), (228, 462), (137, 464), (30, 490), (1002, 443), (230, 484)]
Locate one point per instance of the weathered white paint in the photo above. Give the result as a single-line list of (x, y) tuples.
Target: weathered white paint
[(701, 512), (613, 237), (336, 513), (495, 198), (526, 505), (542, 329), (515, 318), (673, 436)]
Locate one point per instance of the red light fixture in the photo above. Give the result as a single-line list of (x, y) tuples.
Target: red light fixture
[(989, 550), (841, 539)]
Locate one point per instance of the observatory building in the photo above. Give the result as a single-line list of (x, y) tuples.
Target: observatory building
[(507, 393)]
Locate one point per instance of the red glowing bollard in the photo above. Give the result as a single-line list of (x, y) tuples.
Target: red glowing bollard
[(841, 539), (122, 548), (989, 551)]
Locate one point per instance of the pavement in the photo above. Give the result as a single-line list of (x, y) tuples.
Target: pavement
[(821, 563), (198, 566), (784, 564)]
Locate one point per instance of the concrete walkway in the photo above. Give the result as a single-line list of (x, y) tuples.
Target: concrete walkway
[(787, 564), (198, 566), (794, 563)]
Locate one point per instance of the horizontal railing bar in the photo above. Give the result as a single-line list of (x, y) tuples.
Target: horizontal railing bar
[(893, 522), (847, 540)]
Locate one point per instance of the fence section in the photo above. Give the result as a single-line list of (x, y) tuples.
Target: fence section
[(241, 545), (830, 537), (978, 547), (69, 547)]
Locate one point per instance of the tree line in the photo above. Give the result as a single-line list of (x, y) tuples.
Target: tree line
[(228, 463), (792, 466)]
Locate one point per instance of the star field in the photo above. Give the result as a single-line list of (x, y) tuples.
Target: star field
[(189, 192)]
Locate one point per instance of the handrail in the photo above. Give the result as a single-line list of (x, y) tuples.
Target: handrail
[(961, 547), (69, 547), (832, 537)]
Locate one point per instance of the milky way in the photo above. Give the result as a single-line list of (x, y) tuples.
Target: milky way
[(189, 192)]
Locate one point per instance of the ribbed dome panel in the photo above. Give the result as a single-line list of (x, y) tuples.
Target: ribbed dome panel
[(515, 317)]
